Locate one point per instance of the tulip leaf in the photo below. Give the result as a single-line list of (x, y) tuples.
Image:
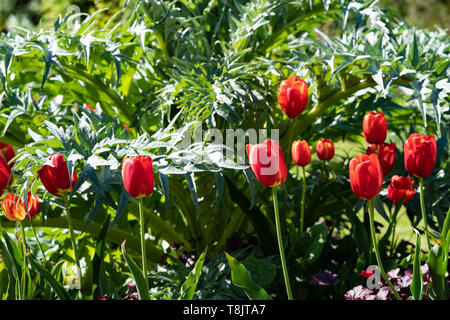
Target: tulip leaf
[(97, 261), (14, 250), (380, 208), (54, 284), (165, 184), (10, 263), (417, 280), (193, 190), (220, 179), (138, 276), (189, 286), (123, 202), (249, 175), (94, 210), (360, 232), (438, 261), (241, 277)]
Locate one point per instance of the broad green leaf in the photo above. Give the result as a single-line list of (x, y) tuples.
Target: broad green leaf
[(193, 190), (438, 261), (99, 256), (123, 202), (138, 276), (56, 286), (249, 175), (242, 278), (10, 263), (263, 273), (189, 286)]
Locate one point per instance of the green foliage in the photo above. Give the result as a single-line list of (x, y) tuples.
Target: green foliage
[(438, 261), (138, 276), (417, 280), (155, 71), (242, 278), (189, 286)]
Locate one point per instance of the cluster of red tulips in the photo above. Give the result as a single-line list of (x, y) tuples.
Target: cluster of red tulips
[(366, 170), (138, 180), (268, 164)]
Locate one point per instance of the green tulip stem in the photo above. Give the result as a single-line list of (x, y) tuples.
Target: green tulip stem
[(280, 243), (394, 224), (424, 213), (377, 253), (72, 238), (302, 208), (24, 269), (143, 251), (37, 240)]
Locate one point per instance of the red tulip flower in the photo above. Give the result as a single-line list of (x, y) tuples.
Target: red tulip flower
[(5, 175), (267, 162), (366, 176), (386, 155), (137, 174), (14, 208), (89, 107), (56, 179), (7, 153), (374, 127), (293, 96), (32, 204), (9, 206), (400, 187), (420, 155), (301, 152), (325, 149)]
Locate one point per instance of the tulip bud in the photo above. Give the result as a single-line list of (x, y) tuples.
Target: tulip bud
[(301, 152), (137, 174), (420, 155), (400, 187), (366, 176), (56, 179), (293, 96), (386, 155), (375, 127), (267, 162), (325, 149)]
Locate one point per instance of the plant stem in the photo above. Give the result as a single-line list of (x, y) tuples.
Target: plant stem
[(377, 253), (280, 244), (24, 270), (424, 214), (143, 251), (394, 223), (302, 208), (37, 240), (72, 238)]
